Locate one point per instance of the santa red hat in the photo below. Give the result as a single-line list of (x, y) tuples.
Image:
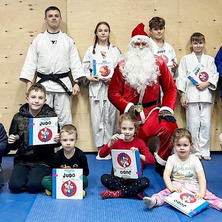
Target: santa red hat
[(139, 32)]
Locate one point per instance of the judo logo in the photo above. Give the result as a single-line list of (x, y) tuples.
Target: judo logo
[(68, 188), (124, 160), (45, 134), (165, 58), (203, 76), (187, 198)]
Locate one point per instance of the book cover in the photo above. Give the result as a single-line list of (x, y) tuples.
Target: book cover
[(198, 75), (42, 130), (67, 183), (186, 202), (126, 163), (102, 68)]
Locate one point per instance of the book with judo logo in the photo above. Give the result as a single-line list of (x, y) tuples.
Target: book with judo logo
[(42, 130), (103, 68), (186, 202), (199, 75), (67, 183), (126, 163)]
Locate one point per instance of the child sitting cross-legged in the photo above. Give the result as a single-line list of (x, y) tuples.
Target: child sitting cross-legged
[(68, 157)]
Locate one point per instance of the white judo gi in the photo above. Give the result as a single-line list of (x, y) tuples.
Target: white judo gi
[(103, 113), (46, 58), (167, 53), (198, 112)]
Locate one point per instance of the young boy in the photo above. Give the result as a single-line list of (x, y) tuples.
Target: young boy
[(197, 97), (31, 163), (68, 157), (52, 54), (3, 151), (160, 47)]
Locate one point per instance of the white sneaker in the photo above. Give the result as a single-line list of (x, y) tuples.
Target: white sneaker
[(150, 202), (108, 157)]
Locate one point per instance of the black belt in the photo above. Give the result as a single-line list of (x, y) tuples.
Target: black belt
[(140, 106), (55, 78)]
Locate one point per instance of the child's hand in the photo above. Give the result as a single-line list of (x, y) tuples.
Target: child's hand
[(57, 138), (133, 148), (177, 189), (106, 80), (114, 138), (199, 196), (12, 138), (202, 86), (175, 66), (93, 78), (183, 101)]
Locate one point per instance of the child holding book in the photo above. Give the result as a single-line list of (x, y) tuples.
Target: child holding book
[(3, 151), (160, 47), (120, 187), (183, 169), (99, 63), (69, 156), (31, 163), (196, 93)]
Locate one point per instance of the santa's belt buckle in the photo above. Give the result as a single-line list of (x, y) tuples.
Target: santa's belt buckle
[(139, 108)]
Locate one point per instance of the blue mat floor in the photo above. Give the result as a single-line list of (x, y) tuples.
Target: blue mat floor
[(39, 207)]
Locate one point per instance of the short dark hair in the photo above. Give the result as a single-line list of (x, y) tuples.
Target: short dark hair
[(157, 22), (36, 87), (52, 8)]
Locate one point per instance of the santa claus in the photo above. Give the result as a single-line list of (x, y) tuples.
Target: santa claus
[(135, 87)]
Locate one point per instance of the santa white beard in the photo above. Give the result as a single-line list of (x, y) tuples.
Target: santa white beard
[(139, 68)]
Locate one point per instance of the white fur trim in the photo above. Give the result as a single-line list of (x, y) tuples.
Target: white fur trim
[(136, 37), (128, 107), (167, 108), (159, 159)]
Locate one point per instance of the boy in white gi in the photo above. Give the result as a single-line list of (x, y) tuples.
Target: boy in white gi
[(52, 54), (160, 47), (197, 79)]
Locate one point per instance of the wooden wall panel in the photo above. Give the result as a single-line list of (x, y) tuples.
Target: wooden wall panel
[(22, 20)]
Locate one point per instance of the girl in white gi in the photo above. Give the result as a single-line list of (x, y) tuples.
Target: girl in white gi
[(99, 62), (197, 79)]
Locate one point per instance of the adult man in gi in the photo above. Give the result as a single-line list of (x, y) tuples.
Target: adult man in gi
[(135, 87), (52, 54)]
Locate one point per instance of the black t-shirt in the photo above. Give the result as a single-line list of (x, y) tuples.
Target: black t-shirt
[(78, 160)]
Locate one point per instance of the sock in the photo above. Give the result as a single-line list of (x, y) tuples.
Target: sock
[(140, 195), (110, 194), (150, 202)]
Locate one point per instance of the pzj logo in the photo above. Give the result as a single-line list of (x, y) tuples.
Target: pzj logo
[(45, 134), (68, 188), (124, 160)]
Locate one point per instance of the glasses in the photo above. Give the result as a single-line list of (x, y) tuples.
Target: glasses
[(138, 44)]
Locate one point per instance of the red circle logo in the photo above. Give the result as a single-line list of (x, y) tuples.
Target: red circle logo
[(68, 188), (203, 76), (165, 58), (45, 135), (124, 160), (187, 198)]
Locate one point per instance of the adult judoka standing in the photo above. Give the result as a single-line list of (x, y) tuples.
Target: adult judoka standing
[(52, 55)]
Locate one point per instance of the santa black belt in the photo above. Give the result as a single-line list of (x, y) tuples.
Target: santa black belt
[(140, 106), (55, 78)]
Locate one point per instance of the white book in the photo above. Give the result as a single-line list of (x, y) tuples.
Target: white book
[(103, 69), (67, 183), (126, 163), (186, 202), (42, 130)]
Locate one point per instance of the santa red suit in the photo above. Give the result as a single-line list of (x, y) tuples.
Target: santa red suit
[(123, 96)]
